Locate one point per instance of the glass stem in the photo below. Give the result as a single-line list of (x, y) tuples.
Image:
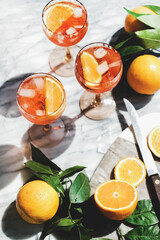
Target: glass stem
[(47, 128), (68, 55), (96, 100)]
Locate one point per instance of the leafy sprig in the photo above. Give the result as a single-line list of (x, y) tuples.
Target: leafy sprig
[(140, 41), (73, 193)]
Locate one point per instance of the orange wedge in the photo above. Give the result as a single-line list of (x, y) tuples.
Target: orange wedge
[(131, 170), (56, 14), (116, 199), (54, 95), (154, 141), (89, 66)]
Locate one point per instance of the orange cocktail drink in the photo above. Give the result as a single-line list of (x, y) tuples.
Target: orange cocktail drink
[(41, 98), (65, 24), (98, 69)]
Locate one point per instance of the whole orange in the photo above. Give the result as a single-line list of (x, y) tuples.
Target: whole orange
[(37, 202), (143, 74), (132, 24)]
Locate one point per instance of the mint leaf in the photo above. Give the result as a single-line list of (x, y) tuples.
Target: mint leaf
[(80, 189), (143, 214), (144, 233)]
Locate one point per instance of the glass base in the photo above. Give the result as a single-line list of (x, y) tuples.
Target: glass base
[(59, 65), (47, 136), (97, 109)]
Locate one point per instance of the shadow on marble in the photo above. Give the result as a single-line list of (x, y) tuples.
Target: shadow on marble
[(11, 161), (15, 227), (8, 95), (101, 225), (59, 145)]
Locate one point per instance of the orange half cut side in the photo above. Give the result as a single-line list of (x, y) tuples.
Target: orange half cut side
[(153, 140)]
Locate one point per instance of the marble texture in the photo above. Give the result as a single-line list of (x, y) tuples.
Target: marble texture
[(25, 50)]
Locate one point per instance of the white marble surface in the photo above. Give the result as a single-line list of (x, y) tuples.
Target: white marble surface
[(24, 50)]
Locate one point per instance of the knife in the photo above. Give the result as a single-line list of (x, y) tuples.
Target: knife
[(153, 177)]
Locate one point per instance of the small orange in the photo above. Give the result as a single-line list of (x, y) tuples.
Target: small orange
[(131, 170), (132, 24), (56, 14), (37, 202), (143, 74), (154, 141), (116, 199)]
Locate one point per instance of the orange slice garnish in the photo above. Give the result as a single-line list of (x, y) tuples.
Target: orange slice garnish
[(56, 14), (54, 95), (154, 141), (131, 170), (116, 199), (89, 66)]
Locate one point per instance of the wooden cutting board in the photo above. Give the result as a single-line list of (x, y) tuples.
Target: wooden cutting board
[(124, 146)]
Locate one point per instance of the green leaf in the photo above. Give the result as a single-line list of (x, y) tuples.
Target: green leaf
[(38, 167), (143, 214), (38, 156), (148, 19), (101, 239), (122, 43), (154, 8), (144, 233), (70, 171), (80, 189), (130, 50), (65, 224), (84, 233), (54, 181), (150, 38)]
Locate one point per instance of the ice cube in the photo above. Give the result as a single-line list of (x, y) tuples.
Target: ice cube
[(39, 82), (30, 93), (100, 53), (60, 38), (40, 112), (25, 106), (77, 12), (115, 64), (71, 31), (79, 26), (102, 68)]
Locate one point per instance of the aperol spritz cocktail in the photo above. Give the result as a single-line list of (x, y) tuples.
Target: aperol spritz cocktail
[(41, 99), (98, 69), (65, 24)]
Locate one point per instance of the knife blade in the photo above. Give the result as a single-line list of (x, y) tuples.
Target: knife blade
[(152, 171)]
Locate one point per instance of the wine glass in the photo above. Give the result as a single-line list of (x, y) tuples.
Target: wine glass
[(65, 24), (41, 99), (98, 69)]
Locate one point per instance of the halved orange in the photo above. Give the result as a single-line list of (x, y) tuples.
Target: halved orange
[(56, 14), (131, 170), (89, 66), (116, 199), (54, 95), (153, 140)]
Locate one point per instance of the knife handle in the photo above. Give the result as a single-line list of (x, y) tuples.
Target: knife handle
[(154, 191)]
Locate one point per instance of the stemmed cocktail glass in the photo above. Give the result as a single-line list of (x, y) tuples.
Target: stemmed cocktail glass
[(41, 99), (98, 69), (65, 24)]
